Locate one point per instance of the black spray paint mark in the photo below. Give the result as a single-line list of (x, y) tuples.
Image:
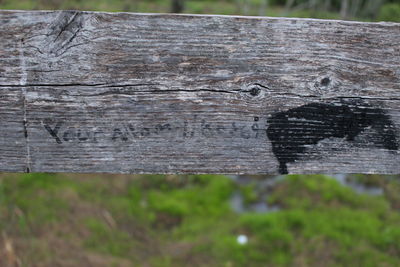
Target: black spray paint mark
[(127, 131), (291, 131), (54, 132)]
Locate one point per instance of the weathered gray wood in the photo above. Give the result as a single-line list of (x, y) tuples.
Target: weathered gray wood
[(158, 93)]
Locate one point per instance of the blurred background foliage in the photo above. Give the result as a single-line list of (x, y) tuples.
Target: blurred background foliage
[(365, 10), (50, 220), (199, 220)]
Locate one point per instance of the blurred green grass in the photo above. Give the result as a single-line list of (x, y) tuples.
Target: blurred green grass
[(389, 11), (157, 220)]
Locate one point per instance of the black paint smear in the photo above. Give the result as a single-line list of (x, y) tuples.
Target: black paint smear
[(54, 132), (290, 131)]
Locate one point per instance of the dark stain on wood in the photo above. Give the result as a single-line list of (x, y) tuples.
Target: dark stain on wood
[(291, 131)]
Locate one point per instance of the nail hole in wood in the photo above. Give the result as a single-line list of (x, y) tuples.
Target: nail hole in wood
[(325, 81)]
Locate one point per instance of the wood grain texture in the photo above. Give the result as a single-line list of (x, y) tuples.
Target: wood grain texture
[(160, 93)]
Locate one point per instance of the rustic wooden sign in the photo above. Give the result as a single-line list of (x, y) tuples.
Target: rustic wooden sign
[(159, 93)]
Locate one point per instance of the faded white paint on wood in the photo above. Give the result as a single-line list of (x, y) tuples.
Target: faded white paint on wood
[(159, 93)]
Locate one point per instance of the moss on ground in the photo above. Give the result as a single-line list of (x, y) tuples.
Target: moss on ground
[(187, 220)]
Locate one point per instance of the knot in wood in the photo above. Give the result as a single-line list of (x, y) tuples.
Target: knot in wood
[(255, 91)]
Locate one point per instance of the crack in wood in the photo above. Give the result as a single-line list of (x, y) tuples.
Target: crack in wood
[(166, 91), (23, 81), (68, 42), (65, 26)]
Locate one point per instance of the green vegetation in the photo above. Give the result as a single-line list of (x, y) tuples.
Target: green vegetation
[(156, 220), (390, 12), (375, 10)]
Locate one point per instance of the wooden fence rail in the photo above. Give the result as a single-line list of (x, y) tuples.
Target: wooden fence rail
[(161, 93)]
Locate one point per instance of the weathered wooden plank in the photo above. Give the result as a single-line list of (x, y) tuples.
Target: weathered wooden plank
[(159, 93)]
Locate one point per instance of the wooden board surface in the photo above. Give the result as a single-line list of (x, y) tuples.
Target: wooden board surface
[(161, 93)]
